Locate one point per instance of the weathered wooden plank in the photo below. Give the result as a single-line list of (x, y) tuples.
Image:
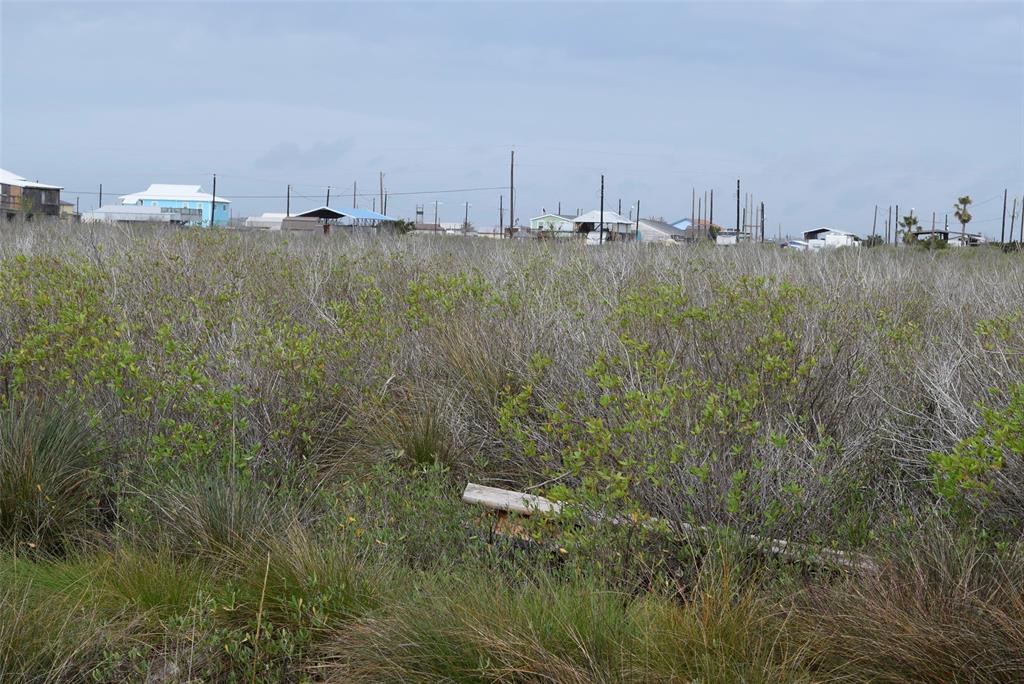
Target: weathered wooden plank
[(499, 499), (509, 501)]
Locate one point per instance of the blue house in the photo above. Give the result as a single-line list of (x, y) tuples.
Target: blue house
[(188, 200)]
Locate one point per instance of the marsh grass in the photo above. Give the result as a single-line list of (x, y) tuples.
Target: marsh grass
[(48, 469), (289, 422)]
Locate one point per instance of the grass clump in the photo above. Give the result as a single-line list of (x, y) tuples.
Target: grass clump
[(48, 462), (476, 628)]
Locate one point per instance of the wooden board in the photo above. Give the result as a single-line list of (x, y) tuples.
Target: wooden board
[(509, 501)]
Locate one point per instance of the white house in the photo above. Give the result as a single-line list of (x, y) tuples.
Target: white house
[(555, 223), (651, 230), (727, 238), (267, 221), (189, 199), (829, 238), (616, 226)]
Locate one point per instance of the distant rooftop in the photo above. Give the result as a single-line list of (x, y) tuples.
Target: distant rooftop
[(8, 178), (357, 214), (164, 191)]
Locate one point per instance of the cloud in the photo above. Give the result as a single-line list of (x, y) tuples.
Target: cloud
[(318, 155)]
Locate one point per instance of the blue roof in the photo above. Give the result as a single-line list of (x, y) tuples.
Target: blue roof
[(365, 214)]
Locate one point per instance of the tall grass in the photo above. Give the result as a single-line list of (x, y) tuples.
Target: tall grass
[(48, 468)]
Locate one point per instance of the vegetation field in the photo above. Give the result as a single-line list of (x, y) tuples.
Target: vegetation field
[(239, 458)]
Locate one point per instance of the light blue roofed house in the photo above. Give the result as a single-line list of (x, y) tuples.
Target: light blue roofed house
[(189, 200)]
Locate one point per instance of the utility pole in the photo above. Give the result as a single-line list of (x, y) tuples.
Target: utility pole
[(693, 207), (636, 238), (1013, 217), (1002, 233), (762, 221), (382, 189), (353, 194), (436, 225), (288, 202), (373, 206), (465, 221), (600, 235), (501, 215), (512, 191), (737, 209), (619, 212), (896, 226), (559, 207), (213, 198), (76, 205), (385, 207), (328, 196), (711, 211), (888, 225), (874, 222), (101, 194)]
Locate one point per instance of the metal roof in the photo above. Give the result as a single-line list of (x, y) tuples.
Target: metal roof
[(595, 217), (8, 178), (331, 213), (164, 191), (666, 228)]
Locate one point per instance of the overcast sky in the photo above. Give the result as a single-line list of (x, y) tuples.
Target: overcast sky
[(823, 109)]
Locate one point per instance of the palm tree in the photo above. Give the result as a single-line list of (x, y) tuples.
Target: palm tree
[(963, 216), (909, 223)]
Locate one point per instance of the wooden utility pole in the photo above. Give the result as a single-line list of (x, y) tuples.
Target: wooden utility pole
[(896, 226), (762, 221), (328, 196), (600, 236), (888, 225), (382, 189), (384, 209), (693, 207), (353, 194), (737, 209), (373, 207), (76, 205), (213, 198), (559, 207), (636, 238), (501, 215), (101, 194), (512, 191), (1013, 217), (619, 212), (465, 221), (874, 222), (711, 211), (700, 215), (1002, 233), (436, 225)]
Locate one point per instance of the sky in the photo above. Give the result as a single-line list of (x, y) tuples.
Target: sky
[(822, 109)]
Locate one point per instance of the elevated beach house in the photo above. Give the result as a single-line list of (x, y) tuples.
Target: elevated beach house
[(194, 205), (26, 199)]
